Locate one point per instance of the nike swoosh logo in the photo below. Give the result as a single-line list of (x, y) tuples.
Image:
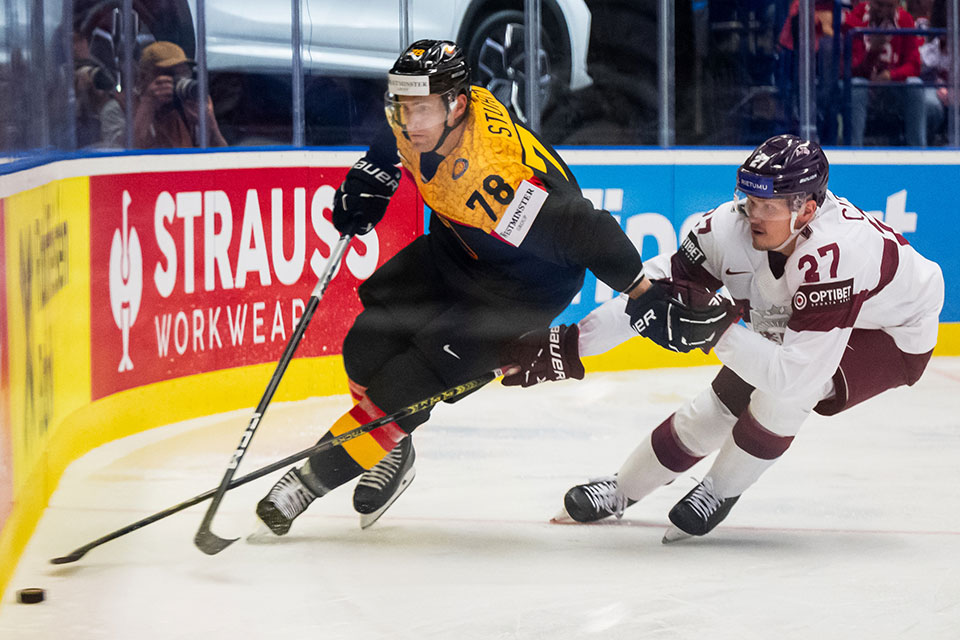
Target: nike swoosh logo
[(447, 348), (736, 273)]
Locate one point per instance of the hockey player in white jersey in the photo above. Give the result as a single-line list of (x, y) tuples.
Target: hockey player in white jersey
[(838, 307)]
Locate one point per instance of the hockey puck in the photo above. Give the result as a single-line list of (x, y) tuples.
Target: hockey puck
[(30, 596)]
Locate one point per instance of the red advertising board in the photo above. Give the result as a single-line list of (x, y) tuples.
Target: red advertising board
[(201, 270)]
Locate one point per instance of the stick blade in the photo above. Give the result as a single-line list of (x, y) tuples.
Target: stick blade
[(210, 543), (70, 557)]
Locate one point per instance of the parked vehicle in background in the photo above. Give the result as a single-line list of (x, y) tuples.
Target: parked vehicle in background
[(248, 44)]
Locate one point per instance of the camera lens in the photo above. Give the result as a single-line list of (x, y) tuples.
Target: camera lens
[(103, 79), (186, 89)]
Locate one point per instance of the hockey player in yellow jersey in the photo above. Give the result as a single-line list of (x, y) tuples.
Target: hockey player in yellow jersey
[(510, 237)]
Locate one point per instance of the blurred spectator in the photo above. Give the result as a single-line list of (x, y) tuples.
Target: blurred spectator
[(822, 23), (935, 67), (886, 58), (167, 113), (828, 92), (101, 121), (920, 10)]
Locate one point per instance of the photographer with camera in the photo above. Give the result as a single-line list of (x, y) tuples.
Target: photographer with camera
[(101, 121), (167, 113)]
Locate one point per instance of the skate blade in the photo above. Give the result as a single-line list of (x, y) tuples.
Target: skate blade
[(262, 534), (674, 534), (368, 519), (563, 517)]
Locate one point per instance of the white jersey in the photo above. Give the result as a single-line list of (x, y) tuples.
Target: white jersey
[(848, 271)]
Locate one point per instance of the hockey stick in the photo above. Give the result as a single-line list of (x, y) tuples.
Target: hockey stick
[(450, 394), (206, 540)]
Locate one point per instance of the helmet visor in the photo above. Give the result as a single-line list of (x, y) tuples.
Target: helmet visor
[(416, 113), (765, 209)]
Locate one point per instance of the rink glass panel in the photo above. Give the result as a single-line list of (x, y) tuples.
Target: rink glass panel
[(735, 81)]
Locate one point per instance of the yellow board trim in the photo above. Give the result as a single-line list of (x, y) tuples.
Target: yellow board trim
[(638, 353), (948, 340)]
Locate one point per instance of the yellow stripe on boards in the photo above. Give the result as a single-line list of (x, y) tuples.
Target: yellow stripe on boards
[(948, 340), (639, 353)]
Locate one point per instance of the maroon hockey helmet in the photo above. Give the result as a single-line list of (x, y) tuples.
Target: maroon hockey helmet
[(784, 166)]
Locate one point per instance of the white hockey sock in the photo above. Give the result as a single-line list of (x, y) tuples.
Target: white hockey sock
[(695, 430), (642, 472), (762, 434), (735, 470)]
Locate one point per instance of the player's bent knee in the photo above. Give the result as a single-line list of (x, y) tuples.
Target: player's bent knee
[(732, 391), (362, 356)]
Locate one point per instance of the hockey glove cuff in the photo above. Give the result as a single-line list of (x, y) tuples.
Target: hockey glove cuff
[(362, 198), (544, 355)]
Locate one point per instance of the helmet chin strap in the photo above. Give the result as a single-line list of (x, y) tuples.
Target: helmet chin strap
[(794, 232), (793, 223), (447, 129)]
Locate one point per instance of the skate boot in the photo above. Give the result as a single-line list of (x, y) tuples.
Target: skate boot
[(698, 512), (593, 501), (379, 487), (286, 500)]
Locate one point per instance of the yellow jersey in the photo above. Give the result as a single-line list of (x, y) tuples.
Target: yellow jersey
[(478, 182)]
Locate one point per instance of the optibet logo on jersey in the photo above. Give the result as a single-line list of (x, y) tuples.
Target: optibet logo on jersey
[(822, 296), (126, 280)]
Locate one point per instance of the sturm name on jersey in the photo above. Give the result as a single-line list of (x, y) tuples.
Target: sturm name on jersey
[(815, 297)]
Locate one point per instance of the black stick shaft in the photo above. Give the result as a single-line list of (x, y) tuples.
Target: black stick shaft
[(205, 539), (423, 405)]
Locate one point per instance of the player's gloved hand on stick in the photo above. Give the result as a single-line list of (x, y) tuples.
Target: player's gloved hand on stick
[(681, 316), (547, 354), (363, 196)]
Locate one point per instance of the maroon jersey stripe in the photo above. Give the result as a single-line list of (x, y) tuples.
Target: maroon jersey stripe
[(888, 266), (669, 450), (757, 440), (683, 269), (830, 305)]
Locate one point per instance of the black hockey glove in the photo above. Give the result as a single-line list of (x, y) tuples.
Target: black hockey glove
[(552, 353), (681, 316), (363, 197)]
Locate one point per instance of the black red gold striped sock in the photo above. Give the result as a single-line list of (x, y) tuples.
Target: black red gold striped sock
[(336, 466)]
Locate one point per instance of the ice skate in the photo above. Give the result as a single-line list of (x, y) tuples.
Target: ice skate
[(698, 512), (595, 500), (286, 500), (379, 487)]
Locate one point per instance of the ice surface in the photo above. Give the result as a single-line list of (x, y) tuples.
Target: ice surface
[(855, 533)]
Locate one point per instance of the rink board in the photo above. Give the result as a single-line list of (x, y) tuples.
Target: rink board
[(140, 290)]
